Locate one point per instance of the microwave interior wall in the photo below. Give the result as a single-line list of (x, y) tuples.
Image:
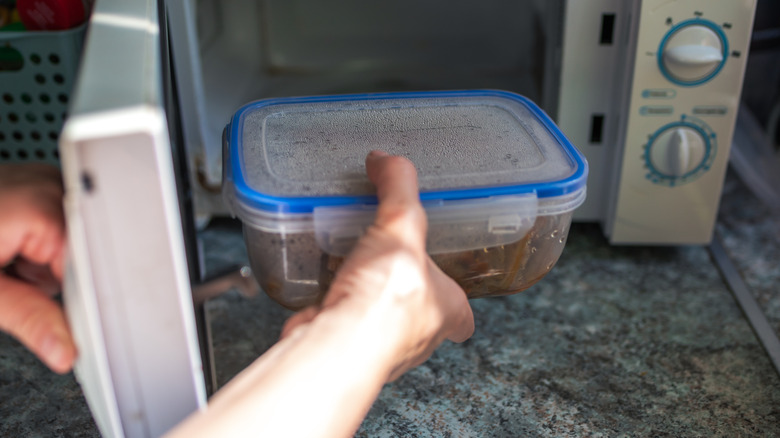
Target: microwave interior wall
[(244, 50)]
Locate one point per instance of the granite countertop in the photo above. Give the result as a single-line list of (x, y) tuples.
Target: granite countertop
[(615, 341)]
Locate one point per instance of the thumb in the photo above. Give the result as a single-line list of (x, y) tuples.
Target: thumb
[(37, 322)]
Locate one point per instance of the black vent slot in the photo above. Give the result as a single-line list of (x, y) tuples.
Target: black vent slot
[(597, 128), (607, 29)]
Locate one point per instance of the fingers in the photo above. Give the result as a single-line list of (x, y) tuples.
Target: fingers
[(400, 212), (460, 317), (40, 276), (303, 317), (27, 239), (42, 241), (37, 322), (32, 223)]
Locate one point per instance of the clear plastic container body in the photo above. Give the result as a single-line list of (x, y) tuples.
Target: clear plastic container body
[(498, 182), (295, 272)]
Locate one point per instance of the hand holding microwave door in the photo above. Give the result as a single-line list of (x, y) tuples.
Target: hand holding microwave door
[(387, 309), (32, 239), (498, 182)]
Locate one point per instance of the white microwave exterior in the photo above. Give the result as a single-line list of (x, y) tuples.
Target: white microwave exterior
[(675, 149), (635, 203), (595, 80)]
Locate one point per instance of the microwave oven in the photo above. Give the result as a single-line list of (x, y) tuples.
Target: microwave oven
[(647, 89)]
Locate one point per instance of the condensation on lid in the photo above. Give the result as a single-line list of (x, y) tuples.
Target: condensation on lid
[(316, 147)]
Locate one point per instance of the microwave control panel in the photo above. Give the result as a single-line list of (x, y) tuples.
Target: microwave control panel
[(688, 70)]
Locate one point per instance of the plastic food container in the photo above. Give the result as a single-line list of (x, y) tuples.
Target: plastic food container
[(498, 181)]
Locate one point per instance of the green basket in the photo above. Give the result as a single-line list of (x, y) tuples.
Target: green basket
[(37, 73)]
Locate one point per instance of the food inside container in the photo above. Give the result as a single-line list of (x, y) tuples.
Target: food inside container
[(498, 181)]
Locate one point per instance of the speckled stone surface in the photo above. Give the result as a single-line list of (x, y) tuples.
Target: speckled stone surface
[(751, 236), (34, 402), (615, 341)]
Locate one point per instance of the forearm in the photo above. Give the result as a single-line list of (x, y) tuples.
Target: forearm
[(320, 381)]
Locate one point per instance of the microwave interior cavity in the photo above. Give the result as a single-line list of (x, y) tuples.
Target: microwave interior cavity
[(232, 52), (306, 47)]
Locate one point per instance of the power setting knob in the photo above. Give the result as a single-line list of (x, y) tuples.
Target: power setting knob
[(679, 152), (693, 52)]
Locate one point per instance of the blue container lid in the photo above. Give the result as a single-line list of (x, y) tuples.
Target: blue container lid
[(292, 155)]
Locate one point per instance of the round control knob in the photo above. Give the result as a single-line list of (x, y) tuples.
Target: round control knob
[(693, 52), (679, 152)]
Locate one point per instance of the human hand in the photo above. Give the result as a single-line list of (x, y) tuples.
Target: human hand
[(32, 236), (386, 311), (389, 277)]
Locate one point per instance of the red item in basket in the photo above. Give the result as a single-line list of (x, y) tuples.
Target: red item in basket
[(51, 14)]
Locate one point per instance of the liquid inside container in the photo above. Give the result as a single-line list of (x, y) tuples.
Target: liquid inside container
[(498, 181)]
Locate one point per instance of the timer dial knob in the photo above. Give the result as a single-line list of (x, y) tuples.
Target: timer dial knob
[(693, 52), (677, 151), (680, 152)]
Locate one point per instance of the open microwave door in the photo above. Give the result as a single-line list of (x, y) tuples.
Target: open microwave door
[(127, 291)]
